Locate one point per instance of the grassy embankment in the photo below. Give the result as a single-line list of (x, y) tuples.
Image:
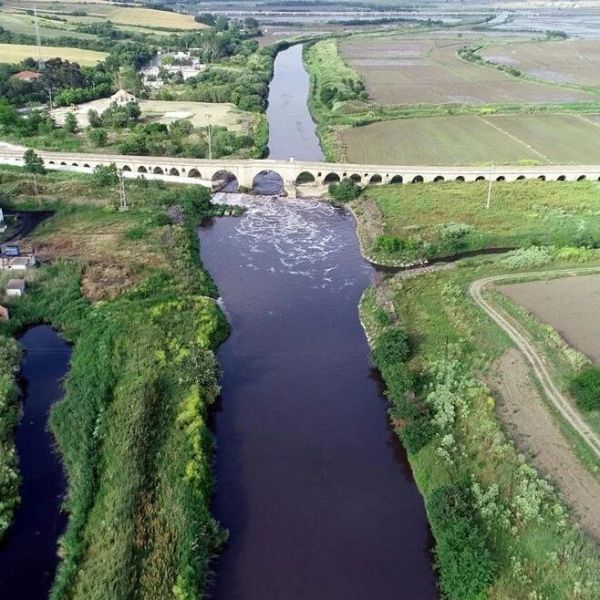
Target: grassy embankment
[(501, 530), (128, 291), (351, 108), (405, 223)]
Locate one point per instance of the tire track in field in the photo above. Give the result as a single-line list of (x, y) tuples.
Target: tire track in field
[(535, 358)]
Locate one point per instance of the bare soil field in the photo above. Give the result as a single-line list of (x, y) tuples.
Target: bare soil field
[(224, 114), (570, 305), (570, 61), (421, 70), (473, 140), (537, 434)]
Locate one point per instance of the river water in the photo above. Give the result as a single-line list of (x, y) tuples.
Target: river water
[(28, 556), (311, 483)]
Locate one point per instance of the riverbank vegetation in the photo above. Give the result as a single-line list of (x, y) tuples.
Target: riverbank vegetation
[(127, 289), (407, 223), (501, 529)]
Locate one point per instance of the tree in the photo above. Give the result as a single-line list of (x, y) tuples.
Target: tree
[(98, 136), (106, 175), (94, 119), (345, 191), (34, 163), (71, 123)]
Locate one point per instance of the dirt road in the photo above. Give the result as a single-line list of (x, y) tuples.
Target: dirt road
[(535, 359)]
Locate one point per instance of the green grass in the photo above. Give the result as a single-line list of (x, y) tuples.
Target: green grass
[(15, 53), (425, 217)]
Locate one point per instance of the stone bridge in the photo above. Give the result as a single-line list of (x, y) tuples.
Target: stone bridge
[(294, 174)]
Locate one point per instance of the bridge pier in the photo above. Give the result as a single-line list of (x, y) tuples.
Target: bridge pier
[(290, 189)]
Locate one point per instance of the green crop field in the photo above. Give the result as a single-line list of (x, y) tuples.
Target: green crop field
[(14, 53), (473, 140), (428, 70)]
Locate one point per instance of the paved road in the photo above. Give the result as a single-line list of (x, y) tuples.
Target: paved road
[(536, 359)]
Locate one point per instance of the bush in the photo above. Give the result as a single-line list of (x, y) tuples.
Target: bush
[(34, 163), (463, 559), (105, 175), (524, 258), (417, 434), (391, 348), (345, 191), (585, 387)]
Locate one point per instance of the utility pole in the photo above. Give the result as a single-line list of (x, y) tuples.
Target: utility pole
[(209, 138), (489, 194), (38, 39), (123, 200)]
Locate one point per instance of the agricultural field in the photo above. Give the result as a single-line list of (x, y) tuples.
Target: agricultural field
[(428, 70), (571, 61), (408, 222), (570, 305), (15, 53), (476, 140)]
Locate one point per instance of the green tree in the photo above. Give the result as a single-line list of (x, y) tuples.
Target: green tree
[(345, 191), (34, 163), (71, 123), (106, 175), (94, 119), (98, 137)]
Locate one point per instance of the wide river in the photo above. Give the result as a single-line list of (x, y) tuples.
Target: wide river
[(311, 483)]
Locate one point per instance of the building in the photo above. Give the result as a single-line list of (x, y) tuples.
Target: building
[(17, 263), (3, 313), (15, 288), (27, 76), (122, 98)]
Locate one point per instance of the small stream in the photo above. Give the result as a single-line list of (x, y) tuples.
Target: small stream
[(28, 555), (312, 483)]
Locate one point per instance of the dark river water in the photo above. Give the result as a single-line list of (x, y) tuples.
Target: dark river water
[(311, 482), (28, 555)]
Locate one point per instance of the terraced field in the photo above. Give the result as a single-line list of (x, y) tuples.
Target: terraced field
[(427, 70), (473, 140), (570, 61)]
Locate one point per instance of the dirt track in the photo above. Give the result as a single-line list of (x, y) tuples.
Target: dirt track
[(535, 359)]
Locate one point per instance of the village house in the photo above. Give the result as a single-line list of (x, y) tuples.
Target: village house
[(122, 98), (12, 259), (27, 76), (15, 288)]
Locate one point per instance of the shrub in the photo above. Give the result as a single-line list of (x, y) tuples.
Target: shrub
[(585, 387), (417, 434), (34, 163), (390, 348), (105, 175), (464, 561), (345, 191), (524, 258)]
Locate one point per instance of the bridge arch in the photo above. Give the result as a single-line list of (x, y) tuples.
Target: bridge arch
[(581, 178), (438, 179), (520, 177), (158, 171), (86, 166), (74, 164), (542, 178), (480, 178), (50, 162), (126, 169), (561, 178), (397, 179), (331, 178), (224, 181), (305, 177), (375, 179), (417, 179), (268, 183), (460, 179), (356, 177), (194, 173), (142, 169), (174, 172), (500, 178), (63, 164)]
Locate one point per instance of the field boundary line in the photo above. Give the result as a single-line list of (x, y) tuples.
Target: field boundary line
[(513, 137), (535, 358)]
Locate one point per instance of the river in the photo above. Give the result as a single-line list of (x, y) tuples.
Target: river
[(311, 482), (28, 556)]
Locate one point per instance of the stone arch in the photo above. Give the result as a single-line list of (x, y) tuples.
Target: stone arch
[(224, 181), (561, 178), (397, 179), (63, 164), (460, 179), (173, 172), (500, 178), (86, 166), (375, 179), (356, 177), (194, 173), (418, 179), (438, 179), (126, 169), (268, 183), (142, 169), (305, 177), (542, 178), (51, 162), (157, 171), (520, 177), (480, 178), (74, 164), (581, 178), (331, 178)]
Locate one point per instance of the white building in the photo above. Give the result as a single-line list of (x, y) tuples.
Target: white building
[(3, 225), (15, 288)]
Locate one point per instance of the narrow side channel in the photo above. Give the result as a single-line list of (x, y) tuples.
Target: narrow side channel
[(28, 555)]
